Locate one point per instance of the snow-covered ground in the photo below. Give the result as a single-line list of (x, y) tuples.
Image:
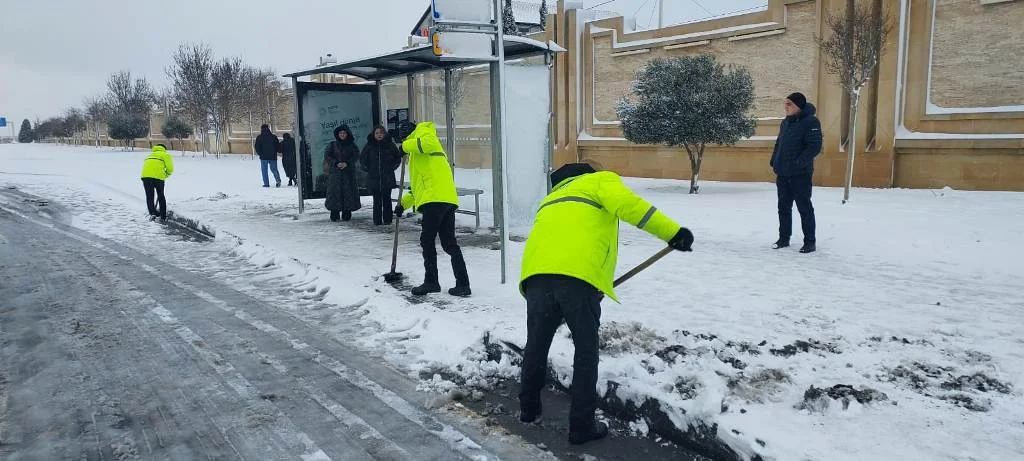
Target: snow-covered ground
[(915, 294)]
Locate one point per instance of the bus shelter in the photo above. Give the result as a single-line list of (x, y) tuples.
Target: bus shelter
[(320, 107)]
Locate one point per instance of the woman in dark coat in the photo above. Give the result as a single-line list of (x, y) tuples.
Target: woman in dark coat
[(380, 159), (340, 158), (288, 157)]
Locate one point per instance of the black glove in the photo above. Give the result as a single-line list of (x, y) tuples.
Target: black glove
[(683, 240), (399, 210)]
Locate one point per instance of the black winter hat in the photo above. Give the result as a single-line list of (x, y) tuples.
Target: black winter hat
[(799, 99), (570, 170)]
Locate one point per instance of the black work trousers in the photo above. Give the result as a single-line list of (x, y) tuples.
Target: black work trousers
[(798, 189), (382, 209), (439, 221), (155, 187), (551, 299)]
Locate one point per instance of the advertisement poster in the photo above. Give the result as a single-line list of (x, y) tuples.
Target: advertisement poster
[(324, 107)]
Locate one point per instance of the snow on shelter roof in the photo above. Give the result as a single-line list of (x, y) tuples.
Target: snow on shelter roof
[(422, 59)]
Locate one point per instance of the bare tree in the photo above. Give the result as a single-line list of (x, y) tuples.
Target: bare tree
[(852, 51), (75, 123), (130, 101), (227, 85), (96, 113), (273, 96), (190, 75)]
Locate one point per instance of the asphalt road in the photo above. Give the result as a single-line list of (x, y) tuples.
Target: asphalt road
[(110, 353)]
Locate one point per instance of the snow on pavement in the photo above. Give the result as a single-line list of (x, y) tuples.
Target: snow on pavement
[(915, 294)]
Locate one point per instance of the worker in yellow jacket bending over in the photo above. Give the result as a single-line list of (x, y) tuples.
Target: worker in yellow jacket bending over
[(568, 266), (157, 167), (432, 193)]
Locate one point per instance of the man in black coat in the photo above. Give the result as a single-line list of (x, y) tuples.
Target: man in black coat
[(266, 147), (798, 144)]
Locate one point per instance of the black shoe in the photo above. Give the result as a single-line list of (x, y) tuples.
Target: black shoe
[(335, 216), (278, 184), (529, 417), (346, 216), (460, 291), (599, 431), (426, 288), (780, 244), (808, 248)]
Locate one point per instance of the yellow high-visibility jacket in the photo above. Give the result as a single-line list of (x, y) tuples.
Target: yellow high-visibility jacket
[(158, 165), (430, 175), (576, 231)]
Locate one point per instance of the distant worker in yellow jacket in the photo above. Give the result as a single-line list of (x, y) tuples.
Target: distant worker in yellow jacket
[(155, 170), (432, 193), (568, 267)]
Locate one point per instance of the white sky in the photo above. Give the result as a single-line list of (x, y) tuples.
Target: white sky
[(55, 53)]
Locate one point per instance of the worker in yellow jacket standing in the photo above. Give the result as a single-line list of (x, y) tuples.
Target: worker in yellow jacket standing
[(568, 267), (157, 167), (432, 193)]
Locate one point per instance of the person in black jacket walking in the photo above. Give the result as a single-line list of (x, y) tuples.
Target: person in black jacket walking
[(266, 147), (798, 144), (288, 157), (379, 159)]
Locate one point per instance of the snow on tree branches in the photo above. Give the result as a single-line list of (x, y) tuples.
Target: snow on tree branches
[(689, 101)]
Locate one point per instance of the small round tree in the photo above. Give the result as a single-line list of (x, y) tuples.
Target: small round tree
[(176, 128), (127, 128), (689, 101)]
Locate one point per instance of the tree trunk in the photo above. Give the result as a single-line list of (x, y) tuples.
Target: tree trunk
[(695, 174), (251, 141), (694, 166), (851, 151)]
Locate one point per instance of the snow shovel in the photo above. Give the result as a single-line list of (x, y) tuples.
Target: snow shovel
[(393, 276), (619, 281), (644, 265)]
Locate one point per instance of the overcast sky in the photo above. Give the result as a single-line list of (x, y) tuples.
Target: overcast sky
[(55, 53)]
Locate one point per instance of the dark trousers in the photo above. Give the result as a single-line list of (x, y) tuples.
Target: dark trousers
[(439, 221), (550, 299), (798, 189), (155, 186), (382, 211)]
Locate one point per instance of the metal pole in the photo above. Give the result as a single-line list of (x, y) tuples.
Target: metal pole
[(661, 14), (411, 83), (449, 115), (497, 136), (297, 135), (549, 157)]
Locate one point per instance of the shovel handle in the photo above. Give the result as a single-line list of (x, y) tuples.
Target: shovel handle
[(644, 265), (401, 189)]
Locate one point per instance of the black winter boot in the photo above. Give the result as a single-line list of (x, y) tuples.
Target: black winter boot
[(780, 244), (599, 431), (346, 216), (461, 291), (808, 248), (426, 288), (335, 216)]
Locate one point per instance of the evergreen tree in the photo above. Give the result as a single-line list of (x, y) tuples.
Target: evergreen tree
[(25, 134), (128, 127), (176, 128), (689, 101), (509, 19)]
